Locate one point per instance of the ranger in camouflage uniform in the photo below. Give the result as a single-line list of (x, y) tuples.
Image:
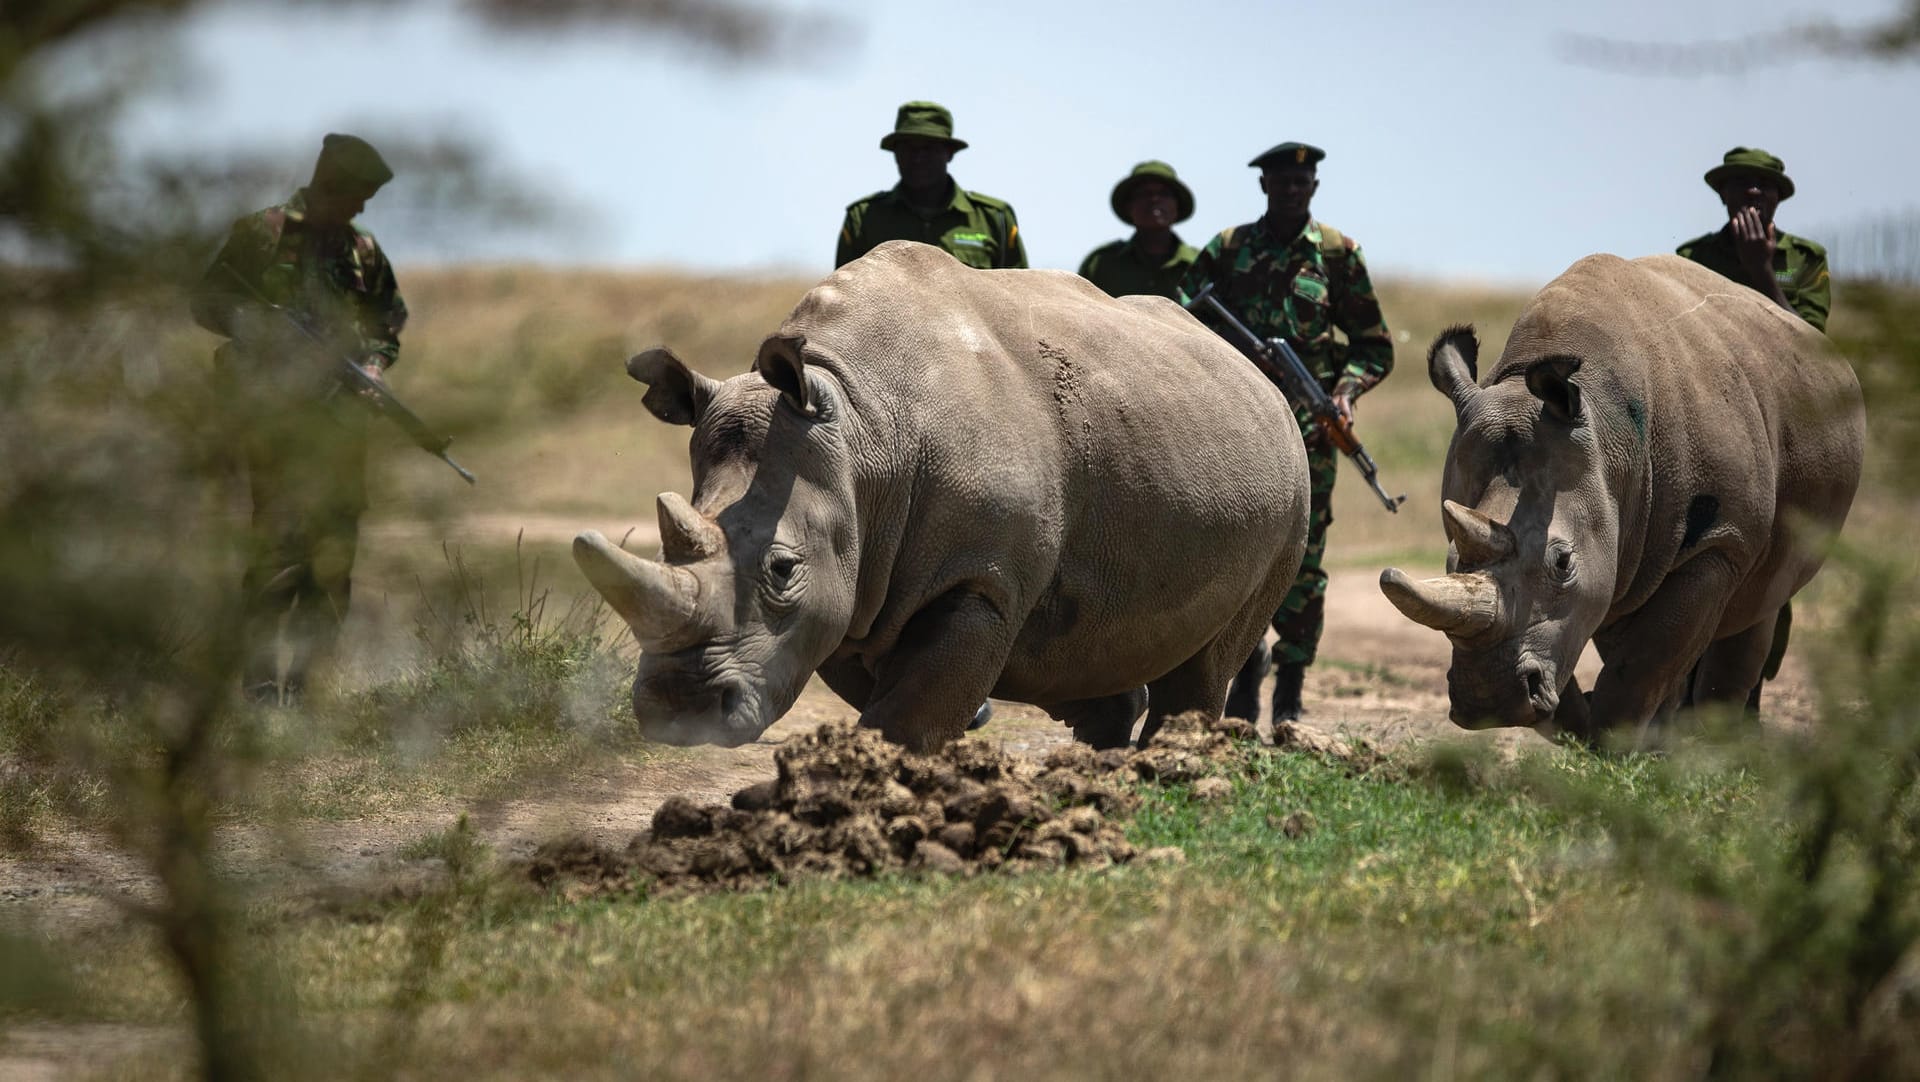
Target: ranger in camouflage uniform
[(305, 438), (927, 205), (1154, 260), (1289, 276), (1790, 271)]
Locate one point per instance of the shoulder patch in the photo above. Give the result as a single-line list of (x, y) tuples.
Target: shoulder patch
[(987, 200), (1333, 242)]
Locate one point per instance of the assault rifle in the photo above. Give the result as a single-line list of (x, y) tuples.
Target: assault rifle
[(1275, 358), (356, 379)]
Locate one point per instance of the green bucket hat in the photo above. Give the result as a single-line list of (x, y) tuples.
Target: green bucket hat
[(352, 158), (1751, 160), (1151, 170), (924, 120)]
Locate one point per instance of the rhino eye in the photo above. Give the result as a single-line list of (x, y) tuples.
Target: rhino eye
[(783, 570), (1562, 562)]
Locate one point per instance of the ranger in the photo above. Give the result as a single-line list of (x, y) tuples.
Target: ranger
[(295, 287), (1790, 271), (1154, 260), (1290, 276), (927, 205)]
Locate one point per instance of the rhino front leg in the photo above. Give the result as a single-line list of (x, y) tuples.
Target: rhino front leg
[(1648, 656), (945, 661)]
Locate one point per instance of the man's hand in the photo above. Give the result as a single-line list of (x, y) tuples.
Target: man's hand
[(1345, 392), (1343, 401), (375, 373), (1753, 242)]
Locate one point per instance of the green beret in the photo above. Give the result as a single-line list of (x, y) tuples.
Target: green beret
[(1751, 160), (924, 120), (1152, 170), (352, 158), (1289, 154)]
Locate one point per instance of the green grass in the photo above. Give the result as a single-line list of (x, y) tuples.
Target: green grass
[(1448, 910)]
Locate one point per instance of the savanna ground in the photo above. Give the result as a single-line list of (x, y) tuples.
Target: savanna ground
[(1461, 906)]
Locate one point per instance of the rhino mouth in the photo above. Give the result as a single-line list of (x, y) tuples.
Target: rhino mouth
[(1529, 697), (727, 714)]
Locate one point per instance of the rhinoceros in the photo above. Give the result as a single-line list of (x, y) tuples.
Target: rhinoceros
[(1647, 467), (939, 483)]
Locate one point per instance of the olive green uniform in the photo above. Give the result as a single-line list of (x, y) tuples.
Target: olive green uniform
[(1799, 265), (1303, 288), (976, 229), (1122, 268), (305, 442)]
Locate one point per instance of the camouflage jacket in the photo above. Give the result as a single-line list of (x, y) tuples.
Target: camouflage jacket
[(335, 280), (1799, 265), (1301, 288), (976, 229), (1121, 268)]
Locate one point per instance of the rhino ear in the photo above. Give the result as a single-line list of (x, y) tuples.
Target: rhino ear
[(1551, 381), (1451, 364), (675, 393), (783, 366)]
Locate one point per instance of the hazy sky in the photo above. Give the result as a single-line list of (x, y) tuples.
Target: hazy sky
[(1462, 142)]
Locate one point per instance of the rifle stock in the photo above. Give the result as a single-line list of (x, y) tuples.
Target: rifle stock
[(1277, 360), (356, 378)]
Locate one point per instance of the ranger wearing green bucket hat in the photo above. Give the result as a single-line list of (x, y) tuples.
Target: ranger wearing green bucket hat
[(1788, 270), (1290, 275), (1154, 260), (304, 441), (927, 205)]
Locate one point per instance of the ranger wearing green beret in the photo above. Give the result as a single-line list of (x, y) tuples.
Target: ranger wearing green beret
[(1291, 276), (1790, 271), (305, 441), (927, 205), (1154, 260)]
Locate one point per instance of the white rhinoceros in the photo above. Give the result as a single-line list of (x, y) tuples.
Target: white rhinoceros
[(1646, 466), (940, 483)]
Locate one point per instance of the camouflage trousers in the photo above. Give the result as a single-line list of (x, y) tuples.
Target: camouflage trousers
[(307, 479), (1302, 615)]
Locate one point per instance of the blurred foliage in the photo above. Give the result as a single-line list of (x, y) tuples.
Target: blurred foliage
[(72, 199), (1892, 39)]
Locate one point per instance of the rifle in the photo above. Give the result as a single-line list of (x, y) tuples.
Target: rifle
[(1277, 360), (356, 379)]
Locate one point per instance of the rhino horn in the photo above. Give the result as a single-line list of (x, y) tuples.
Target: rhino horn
[(658, 602), (1477, 539), (686, 535), (1462, 605)]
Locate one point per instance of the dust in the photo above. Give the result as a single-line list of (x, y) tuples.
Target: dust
[(845, 803)]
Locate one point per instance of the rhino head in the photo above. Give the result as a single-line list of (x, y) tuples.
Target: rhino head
[(1532, 533), (753, 587)]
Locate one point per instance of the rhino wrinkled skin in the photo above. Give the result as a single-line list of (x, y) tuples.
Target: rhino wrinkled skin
[(939, 483), (1650, 465)]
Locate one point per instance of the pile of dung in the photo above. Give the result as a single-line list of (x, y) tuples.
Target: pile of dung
[(847, 803)]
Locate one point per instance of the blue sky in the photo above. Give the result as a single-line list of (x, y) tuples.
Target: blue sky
[(1462, 143)]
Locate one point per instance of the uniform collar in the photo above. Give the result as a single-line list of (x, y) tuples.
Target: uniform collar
[(1311, 231), (959, 202), (296, 208), (1180, 248)]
